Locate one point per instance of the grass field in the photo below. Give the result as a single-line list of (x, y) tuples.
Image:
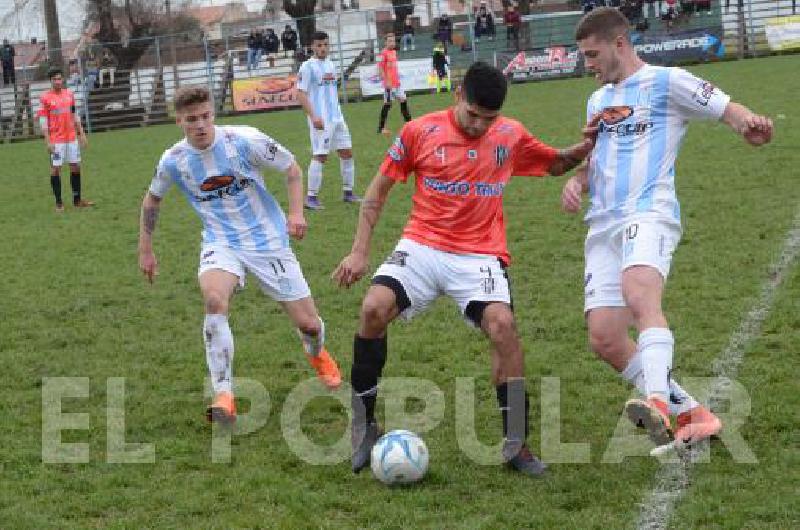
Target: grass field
[(75, 305)]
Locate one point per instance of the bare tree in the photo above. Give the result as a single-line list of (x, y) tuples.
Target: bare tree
[(303, 13), (54, 52)]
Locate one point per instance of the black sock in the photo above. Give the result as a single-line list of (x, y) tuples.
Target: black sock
[(404, 110), (75, 181), (384, 115), (369, 356), (514, 407), (55, 183)]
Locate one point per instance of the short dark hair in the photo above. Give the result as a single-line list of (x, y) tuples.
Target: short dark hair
[(319, 35), (54, 71), (605, 23), (191, 95), (485, 86), (389, 33)]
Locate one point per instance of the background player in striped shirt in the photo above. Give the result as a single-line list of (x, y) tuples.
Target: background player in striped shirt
[(390, 77), (218, 169), (317, 93), (634, 216), (454, 243), (62, 130)]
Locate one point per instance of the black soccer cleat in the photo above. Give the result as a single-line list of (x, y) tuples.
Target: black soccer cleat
[(523, 461), (363, 436)]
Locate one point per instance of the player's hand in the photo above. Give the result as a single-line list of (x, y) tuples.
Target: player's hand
[(51, 148), (148, 264), (350, 270), (84, 142), (757, 130), (318, 123), (571, 195), (590, 130), (296, 226)]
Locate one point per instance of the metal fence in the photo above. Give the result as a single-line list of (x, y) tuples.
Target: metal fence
[(137, 89)]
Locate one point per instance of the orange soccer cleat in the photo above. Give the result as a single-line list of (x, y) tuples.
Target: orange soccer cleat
[(653, 415), (223, 409), (696, 425), (327, 369)]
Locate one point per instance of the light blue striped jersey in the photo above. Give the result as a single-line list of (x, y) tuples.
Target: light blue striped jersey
[(224, 185), (644, 119), (317, 78)]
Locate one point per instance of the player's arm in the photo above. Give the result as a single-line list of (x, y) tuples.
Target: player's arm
[(148, 264), (569, 158), (44, 123), (79, 127), (574, 188), (305, 102), (354, 265), (295, 222), (754, 128)]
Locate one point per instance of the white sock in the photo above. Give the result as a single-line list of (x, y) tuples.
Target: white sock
[(656, 345), (314, 177), (313, 344), (219, 352), (348, 168), (679, 400)]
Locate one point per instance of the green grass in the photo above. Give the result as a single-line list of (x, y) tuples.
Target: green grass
[(75, 305)]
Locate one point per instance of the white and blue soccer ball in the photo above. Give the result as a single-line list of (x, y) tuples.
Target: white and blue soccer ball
[(399, 457)]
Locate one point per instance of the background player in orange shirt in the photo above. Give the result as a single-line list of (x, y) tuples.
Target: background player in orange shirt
[(454, 243), (390, 77), (59, 123)]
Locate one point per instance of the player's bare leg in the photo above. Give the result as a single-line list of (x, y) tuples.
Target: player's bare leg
[(217, 287), (311, 330), (378, 309), (508, 376)]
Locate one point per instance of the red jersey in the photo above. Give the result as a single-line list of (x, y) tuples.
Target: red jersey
[(458, 201), (387, 63), (59, 109)]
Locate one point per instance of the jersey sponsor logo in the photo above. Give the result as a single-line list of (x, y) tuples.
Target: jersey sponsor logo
[(327, 79), (397, 151), (430, 129), (501, 154), (216, 182), (613, 121), (461, 188), (703, 93), (616, 114)]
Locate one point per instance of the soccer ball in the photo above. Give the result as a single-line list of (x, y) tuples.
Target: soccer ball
[(399, 457)]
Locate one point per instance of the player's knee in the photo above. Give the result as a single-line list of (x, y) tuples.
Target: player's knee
[(321, 158), (499, 324), (346, 154), (606, 343), (374, 314), (216, 303)]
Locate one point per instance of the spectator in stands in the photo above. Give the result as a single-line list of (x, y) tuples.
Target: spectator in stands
[(92, 72), (687, 8), (272, 45), (253, 50), (445, 30), (108, 65), (703, 5), (7, 54), (513, 22), (669, 13), (484, 23), (408, 39), (289, 40), (632, 9), (650, 5), (587, 5)]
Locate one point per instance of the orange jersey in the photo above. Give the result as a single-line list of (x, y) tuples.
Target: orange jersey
[(458, 201), (59, 109), (387, 63)]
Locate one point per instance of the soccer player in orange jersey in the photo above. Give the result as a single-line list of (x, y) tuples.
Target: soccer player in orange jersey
[(60, 124), (390, 77), (454, 243)]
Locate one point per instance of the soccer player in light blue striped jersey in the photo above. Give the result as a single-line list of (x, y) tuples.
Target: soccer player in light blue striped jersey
[(317, 92), (634, 215), (218, 170)]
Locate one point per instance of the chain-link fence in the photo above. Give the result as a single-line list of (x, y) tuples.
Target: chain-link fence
[(132, 83)]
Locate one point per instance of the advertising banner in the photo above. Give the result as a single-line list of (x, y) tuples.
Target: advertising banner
[(783, 33), (260, 93), (413, 76), (681, 46), (540, 63)]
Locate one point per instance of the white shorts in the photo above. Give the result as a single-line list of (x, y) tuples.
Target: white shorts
[(426, 273), (648, 242), (394, 93), (69, 151), (277, 271), (334, 136)]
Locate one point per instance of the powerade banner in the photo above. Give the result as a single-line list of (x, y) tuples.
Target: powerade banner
[(681, 46), (413, 76), (261, 93), (540, 63), (783, 33)]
